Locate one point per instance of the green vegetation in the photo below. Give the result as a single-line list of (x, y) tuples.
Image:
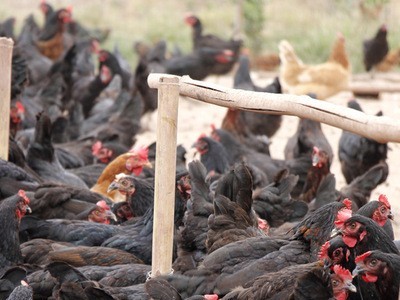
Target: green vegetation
[(310, 25)]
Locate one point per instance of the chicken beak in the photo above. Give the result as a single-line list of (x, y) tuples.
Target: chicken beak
[(358, 270), (28, 209), (351, 287), (335, 232), (112, 187), (111, 215), (390, 216), (148, 164)]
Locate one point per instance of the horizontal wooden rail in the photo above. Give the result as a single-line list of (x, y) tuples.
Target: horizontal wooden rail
[(382, 129)]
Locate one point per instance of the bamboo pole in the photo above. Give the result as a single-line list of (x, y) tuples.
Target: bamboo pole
[(164, 196), (6, 47), (382, 129)]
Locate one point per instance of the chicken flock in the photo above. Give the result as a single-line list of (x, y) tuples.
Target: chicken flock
[(76, 208)]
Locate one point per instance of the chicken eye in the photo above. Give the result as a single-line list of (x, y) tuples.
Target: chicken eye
[(383, 209), (353, 226), (335, 283), (373, 262), (337, 252)]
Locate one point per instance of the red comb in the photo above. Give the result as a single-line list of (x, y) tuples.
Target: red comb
[(141, 151), (96, 148), (323, 251), (211, 297), (315, 149), (20, 107), (213, 127), (343, 273), (22, 194), (343, 215), (362, 256), (347, 202), (203, 135), (69, 8), (383, 198), (103, 204)]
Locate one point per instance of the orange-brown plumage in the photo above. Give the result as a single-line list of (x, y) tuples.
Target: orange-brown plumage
[(127, 163), (324, 79)]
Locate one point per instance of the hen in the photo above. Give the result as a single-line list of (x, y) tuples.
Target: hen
[(242, 261), (308, 134), (12, 210), (275, 204), (324, 80), (381, 269), (200, 63), (127, 163), (42, 159), (379, 211), (364, 234), (51, 41), (357, 154), (307, 281), (139, 193), (201, 40), (193, 233), (375, 49), (233, 218), (257, 123)]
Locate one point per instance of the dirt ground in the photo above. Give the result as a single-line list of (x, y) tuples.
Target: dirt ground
[(195, 118)]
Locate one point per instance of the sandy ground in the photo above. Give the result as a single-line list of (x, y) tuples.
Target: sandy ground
[(195, 118)]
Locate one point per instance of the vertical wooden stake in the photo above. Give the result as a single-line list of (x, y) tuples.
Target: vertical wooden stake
[(164, 196), (6, 47)]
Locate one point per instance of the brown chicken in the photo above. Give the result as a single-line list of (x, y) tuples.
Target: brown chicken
[(319, 170), (324, 80), (51, 40), (390, 61), (381, 269), (127, 163)]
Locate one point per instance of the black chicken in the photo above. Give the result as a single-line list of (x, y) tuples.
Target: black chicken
[(382, 269), (357, 154), (41, 156), (233, 218), (12, 210), (375, 49)]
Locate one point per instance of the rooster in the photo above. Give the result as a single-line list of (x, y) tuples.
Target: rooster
[(127, 163), (324, 80)]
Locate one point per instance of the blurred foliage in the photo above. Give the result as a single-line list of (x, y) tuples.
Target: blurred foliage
[(309, 25), (253, 15)]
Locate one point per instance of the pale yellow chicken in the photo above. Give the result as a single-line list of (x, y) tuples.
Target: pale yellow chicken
[(391, 60), (324, 80)]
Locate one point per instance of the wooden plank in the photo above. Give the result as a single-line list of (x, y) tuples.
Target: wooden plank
[(6, 48), (164, 197), (382, 129)]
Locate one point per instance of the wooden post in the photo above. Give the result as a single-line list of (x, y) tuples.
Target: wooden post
[(164, 196), (6, 47)]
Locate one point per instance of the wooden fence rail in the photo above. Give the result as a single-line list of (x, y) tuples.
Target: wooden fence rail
[(382, 129)]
